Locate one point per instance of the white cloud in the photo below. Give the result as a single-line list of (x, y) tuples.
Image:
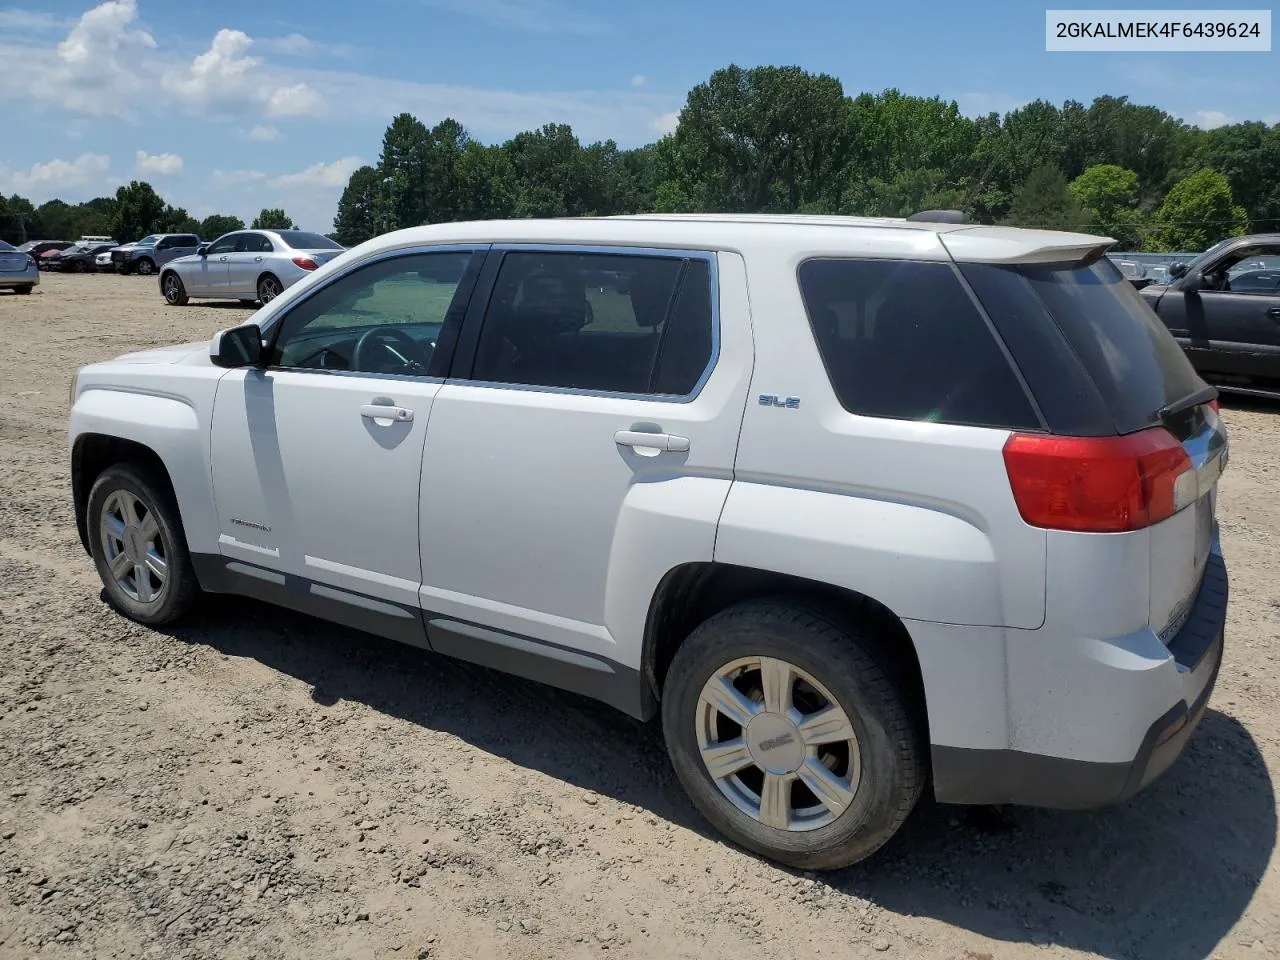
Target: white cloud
[(224, 178), (335, 174), (1271, 119), (226, 78), (263, 132), (31, 21), (1209, 119), (157, 164), (45, 180), (294, 44), (639, 80), (666, 123), (298, 100)]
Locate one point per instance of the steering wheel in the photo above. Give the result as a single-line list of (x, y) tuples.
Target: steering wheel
[(406, 355)]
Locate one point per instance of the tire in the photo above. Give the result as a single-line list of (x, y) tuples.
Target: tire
[(24, 289), (173, 290), (145, 267), (269, 288), (140, 592), (844, 657)]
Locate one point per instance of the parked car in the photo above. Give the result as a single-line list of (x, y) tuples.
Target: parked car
[(824, 493), (78, 259), (102, 262), (18, 271), (37, 247), (248, 265), (152, 252), (1224, 309)]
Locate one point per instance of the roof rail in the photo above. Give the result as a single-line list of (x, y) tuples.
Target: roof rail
[(940, 216)]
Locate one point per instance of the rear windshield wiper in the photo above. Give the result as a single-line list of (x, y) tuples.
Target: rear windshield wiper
[(1203, 395)]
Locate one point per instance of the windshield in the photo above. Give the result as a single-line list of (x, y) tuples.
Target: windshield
[(147, 242), (302, 240), (1129, 354), (6, 247)]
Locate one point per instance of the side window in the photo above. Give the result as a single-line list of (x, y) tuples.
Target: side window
[(384, 317), (225, 245), (902, 339), (165, 243), (257, 243), (621, 323), (1253, 270), (188, 241)]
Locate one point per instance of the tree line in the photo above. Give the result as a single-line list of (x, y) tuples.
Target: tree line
[(780, 139), (133, 212)]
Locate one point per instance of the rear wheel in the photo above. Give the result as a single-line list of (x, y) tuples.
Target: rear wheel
[(269, 288), (791, 734), (146, 267), (24, 289), (175, 294), (138, 545)]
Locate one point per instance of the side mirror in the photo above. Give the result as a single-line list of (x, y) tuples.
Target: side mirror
[(237, 347), (202, 250), (1177, 270)]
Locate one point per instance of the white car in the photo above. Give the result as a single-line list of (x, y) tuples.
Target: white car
[(855, 506), (248, 265)]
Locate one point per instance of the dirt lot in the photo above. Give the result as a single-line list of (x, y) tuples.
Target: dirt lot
[(258, 784)]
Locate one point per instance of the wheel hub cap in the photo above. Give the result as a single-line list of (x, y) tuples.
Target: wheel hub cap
[(774, 743), (133, 548), (777, 744)]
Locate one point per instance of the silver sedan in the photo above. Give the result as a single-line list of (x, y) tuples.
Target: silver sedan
[(247, 265), (18, 271)]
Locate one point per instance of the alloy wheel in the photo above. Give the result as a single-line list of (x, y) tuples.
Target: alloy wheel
[(171, 288), (777, 744), (133, 547)]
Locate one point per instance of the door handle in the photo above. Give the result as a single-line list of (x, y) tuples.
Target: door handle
[(659, 441), (383, 411), (222, 259), (1274, 313), (257, 259)]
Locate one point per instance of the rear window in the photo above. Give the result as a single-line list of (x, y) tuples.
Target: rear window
[(1134, 363), (301, 240), (903, 339)]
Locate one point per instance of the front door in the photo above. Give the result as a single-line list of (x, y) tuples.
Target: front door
[(209, 279), (317, 457), (586, 441)]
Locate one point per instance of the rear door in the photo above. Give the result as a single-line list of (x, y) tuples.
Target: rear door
[(586, 438), (245, 264)]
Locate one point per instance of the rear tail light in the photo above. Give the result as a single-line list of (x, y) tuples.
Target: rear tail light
[(306, 263), (1098, 484), (1214, 406)]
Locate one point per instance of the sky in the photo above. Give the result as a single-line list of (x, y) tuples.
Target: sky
[(232, 106)]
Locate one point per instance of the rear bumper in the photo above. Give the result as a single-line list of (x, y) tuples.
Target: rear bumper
[(24, 279), (975, 776)]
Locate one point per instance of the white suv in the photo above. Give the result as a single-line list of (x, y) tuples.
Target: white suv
[(855, 505)]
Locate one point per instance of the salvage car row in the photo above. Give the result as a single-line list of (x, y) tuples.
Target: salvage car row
[(247, 265)]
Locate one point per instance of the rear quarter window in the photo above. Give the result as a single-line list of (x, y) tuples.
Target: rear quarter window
[(903, 339), (1126, 351)]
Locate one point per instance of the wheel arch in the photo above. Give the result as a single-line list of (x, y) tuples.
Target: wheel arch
[(93, 453), (690, 593)]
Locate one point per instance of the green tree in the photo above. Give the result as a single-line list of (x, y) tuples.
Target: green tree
[(404, 168), (487, 181), (272, 218), (139, 211), (355, 221), (1198, 212), (1109, 196), (215, 225), (1248, 155), (1045, 201)]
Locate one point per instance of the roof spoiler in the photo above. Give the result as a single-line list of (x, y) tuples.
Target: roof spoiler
[(940, 216)]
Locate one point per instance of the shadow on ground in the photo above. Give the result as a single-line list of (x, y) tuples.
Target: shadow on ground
[(1165, 875)]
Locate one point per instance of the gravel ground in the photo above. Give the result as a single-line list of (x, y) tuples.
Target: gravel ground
[(258, 784)]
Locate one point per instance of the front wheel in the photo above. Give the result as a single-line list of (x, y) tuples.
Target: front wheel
[(175, 294), (138, 545), (146, 268), (791, 735), (269, 288)]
